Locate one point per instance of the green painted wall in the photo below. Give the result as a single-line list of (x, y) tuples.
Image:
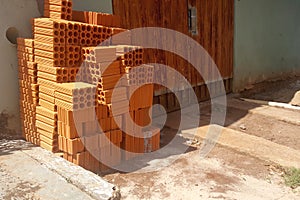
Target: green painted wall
[(267, 40), (93, 5)]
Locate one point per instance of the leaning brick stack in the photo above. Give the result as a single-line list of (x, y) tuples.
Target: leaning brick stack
[(28, 89), (67, 86)]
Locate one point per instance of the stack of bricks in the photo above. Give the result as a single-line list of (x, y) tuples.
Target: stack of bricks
[(68, 88), (76, 117), (28, 89), (49, 40), (58, 9), (95, 18), (136, 75)]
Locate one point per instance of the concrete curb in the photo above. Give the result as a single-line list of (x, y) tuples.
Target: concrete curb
[(274, 104), (286, 115), (86, 181), (248, 144)]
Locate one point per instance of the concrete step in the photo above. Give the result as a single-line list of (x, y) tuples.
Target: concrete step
[(248, 144), (56, 177), (286, 115)]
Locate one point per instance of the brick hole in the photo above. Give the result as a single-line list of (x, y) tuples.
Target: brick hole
[(81, 92), (88, 41), (95, 28), (70, 26), (81, 105), (75, 107), (65, 79), (56, 33), (88, 28), (59, 79), (89, 90), (76, 27), (89, 104), (75, 92), (72, 78)]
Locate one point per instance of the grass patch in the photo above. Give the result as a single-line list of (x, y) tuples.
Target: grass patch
[(292, 177)]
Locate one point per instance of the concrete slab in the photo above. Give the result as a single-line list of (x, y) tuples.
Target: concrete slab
[(286, 115), (47, 175), (249, 144)]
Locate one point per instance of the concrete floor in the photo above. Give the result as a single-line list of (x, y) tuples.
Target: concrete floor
[(25, 178), (29, 172)]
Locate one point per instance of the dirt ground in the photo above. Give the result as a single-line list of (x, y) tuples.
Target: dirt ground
[(224, 173), (276, 90)]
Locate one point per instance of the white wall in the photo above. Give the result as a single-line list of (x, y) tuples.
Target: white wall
[(13, 13)]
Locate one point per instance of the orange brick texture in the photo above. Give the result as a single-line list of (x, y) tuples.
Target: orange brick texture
[(68, 88)]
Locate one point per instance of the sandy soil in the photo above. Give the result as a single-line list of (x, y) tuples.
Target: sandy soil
[(224, 174)]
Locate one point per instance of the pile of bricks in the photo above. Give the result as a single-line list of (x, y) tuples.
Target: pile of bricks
[(28, 89), (75, 96), (58, 9), (95, 18)]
